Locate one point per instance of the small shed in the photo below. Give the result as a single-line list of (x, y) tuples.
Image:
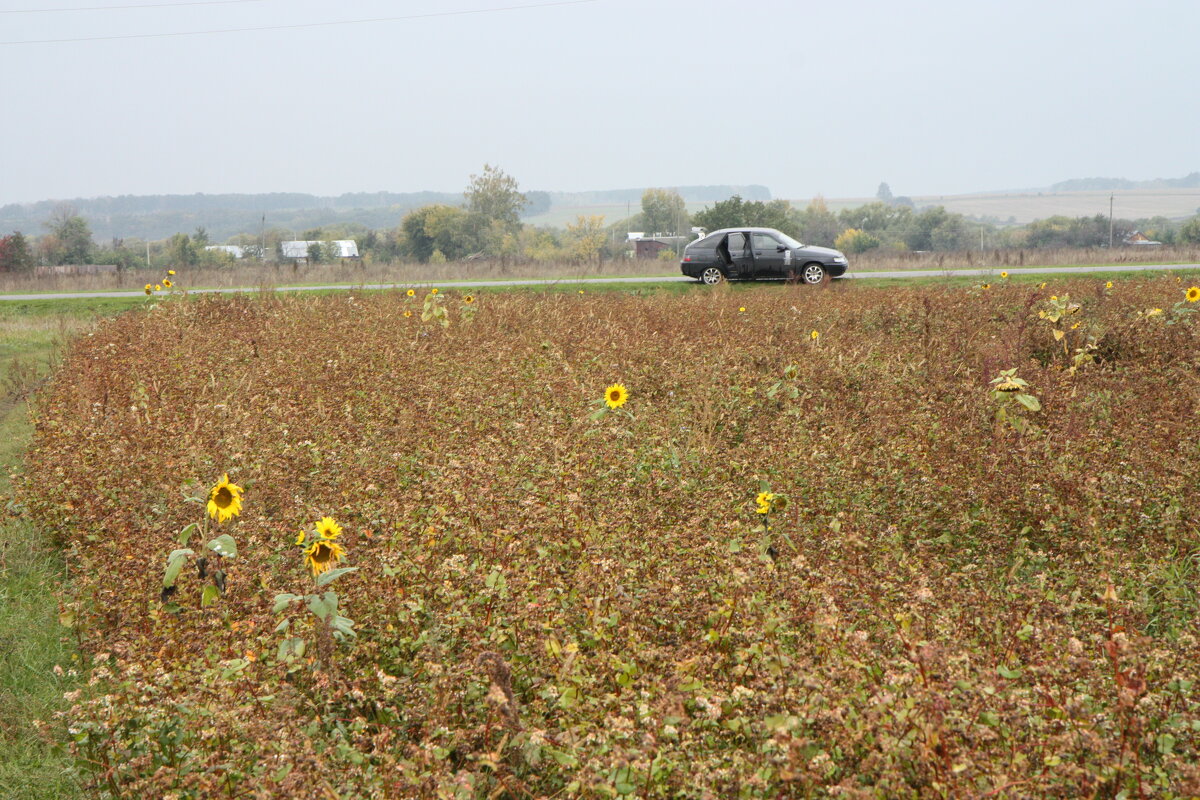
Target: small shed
[(649, 248), (1139, 239)]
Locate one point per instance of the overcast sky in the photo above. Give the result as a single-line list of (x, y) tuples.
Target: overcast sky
[(932, 96)]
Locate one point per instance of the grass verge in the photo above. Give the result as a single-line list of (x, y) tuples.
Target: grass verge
[(36, 653)]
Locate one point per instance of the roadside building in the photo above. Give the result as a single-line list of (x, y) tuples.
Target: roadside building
[(298, 250)]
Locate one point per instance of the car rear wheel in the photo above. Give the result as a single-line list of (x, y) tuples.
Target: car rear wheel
[(813, 273), (712, 276)]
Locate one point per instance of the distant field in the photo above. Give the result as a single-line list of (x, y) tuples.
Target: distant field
[(1029, 206)]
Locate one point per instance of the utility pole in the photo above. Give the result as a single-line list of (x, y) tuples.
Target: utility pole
[(1110, 229)]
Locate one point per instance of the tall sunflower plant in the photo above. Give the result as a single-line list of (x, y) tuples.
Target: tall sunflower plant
[(320, 552), (222, 503)]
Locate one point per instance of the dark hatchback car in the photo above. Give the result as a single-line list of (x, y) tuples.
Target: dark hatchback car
[(759, 254)]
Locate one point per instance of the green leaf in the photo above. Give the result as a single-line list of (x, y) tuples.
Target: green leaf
[(1029, 401), (223, 545), (284, 600), (342, 625), (317, 606), (186, 533), (211, 593), (333, 574), (563, 759), (1011, 674), (691, 686), (175, 563), (598, 414)]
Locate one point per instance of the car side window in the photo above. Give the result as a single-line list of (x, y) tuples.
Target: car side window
[(764, 242), (737, 243)]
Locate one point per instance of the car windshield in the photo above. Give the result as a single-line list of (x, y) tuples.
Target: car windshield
[(789, 241)]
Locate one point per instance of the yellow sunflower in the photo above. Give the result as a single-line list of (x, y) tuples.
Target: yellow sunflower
[(469, 299), (616, 395), (1003, 274), (328, 528), (149, 289), (742, 310), (764, 502), (815, 335), (301, 536), (408, 313), (1193, 294), (1108, 285), (411, 293), (433, 290), (323, 555), (158, 287), (167, 283), (987, 286), (170, 272), (225, 500)]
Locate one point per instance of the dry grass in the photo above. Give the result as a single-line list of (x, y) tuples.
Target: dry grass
[(551, 604)]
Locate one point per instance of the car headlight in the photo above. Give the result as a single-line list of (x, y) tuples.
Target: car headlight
[(839, 259)]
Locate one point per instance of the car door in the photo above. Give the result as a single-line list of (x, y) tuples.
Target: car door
[(740, 257), (768, 259)]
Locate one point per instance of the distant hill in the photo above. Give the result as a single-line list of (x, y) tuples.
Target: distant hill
[(223, 215), (1191, 181)]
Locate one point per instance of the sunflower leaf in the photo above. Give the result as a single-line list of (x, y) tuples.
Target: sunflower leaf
[(284, 600), (317, 606), (175, 563), (223, 545), (333, 574), (211, 593), (186, 533)]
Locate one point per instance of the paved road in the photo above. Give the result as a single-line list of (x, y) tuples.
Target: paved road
[(918, 273)]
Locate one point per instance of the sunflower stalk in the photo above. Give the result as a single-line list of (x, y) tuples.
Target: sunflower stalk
[(223, 503)]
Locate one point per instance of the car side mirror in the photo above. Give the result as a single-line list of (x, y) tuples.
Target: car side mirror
[(781, 248)]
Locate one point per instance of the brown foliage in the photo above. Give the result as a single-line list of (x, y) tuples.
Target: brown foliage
[(927, 618)]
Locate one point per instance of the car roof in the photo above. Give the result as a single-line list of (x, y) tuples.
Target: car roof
[(747, 229)]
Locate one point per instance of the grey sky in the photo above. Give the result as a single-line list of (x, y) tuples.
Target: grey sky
[(935, 97)]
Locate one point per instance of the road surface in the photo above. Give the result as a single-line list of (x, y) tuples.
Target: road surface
[(901, 274)]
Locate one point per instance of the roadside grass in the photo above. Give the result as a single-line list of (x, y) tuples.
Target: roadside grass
[(36, 652)]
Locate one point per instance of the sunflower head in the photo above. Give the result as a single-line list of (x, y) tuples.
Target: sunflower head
[(764, 501), (170, 272), (224, 500), (408, 313), (149, 289), (469, 299), (301, 536), (433, 290), (322, 555), (1003, 274), (815, 335), (615, 395), (986, 286), (741, 309), (411, 293), (167, 283), (1193, 294), (327, 528), (158, 287)]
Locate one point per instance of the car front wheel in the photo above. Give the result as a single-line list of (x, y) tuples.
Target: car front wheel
[(712, 276), (813, 273)]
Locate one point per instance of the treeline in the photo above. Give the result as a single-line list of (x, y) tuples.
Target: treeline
[(486, 222)]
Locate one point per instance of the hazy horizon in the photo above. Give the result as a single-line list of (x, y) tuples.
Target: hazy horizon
[(935, 98)]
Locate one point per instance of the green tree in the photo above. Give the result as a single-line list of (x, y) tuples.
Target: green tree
[(816, 224), (72, 237), (435, 227), (884, 193), (736, 213), (663, 212), (181, 251), (15, 255), (494, 204), (1190, 231)]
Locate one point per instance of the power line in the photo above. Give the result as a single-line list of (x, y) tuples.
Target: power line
[(115, 8), (305, 24)]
